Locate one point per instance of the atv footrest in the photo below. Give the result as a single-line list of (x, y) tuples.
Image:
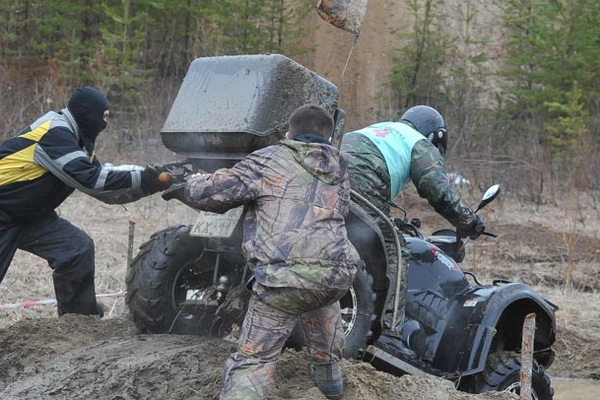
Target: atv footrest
[(383, 360), (378, 355)]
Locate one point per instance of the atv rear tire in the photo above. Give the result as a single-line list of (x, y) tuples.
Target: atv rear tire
[(357, 315), (502, 373), (171, 262), (153, 296), (357, 328)]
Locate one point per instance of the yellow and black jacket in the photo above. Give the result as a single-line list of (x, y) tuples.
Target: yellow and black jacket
[(44, 163)]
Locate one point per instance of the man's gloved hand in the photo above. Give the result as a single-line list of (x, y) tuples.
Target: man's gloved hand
[(177, 191), (474, 230), (150, 182), (158, 168)]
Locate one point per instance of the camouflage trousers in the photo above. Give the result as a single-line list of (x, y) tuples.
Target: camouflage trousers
[(272, 315), (369, 177)]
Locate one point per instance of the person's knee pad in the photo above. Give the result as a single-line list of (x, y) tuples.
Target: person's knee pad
[(328, 378)]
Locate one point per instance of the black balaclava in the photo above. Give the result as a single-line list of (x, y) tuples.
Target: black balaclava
[(87, 105)]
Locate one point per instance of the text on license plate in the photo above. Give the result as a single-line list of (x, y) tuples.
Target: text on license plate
[(216, 225)]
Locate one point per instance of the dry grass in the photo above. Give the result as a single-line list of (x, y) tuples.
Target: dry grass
[(29, 277)]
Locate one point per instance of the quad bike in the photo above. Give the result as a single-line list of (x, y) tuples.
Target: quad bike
[(192, 279)]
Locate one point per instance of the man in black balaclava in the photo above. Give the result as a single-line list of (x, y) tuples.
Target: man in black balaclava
[(90, 110), (39, 168)]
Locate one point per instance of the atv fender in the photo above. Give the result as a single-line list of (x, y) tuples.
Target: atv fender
[(497, 322), (365, 235)]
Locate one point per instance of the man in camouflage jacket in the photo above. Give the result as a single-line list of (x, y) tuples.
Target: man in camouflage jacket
[(382, 159), (296, 194)]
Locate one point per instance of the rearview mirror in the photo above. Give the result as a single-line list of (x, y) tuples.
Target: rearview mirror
[(488, 196)]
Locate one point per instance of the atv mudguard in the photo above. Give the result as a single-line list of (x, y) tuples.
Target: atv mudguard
[(365, 235), (488, 319)]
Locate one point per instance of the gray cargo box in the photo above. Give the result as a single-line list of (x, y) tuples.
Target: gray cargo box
[(230, 106)]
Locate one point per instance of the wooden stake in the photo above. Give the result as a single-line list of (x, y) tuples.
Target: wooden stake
[(527, 356), (130, 244)]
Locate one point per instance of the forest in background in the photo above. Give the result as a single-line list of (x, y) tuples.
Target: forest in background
[(136, 51), (537, 132)]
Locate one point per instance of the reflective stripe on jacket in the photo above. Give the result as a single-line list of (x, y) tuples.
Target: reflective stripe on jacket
[(44, 163)]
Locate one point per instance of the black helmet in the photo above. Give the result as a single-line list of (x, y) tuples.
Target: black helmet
[(430, 123)]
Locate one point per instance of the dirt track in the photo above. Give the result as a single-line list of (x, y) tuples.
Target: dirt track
[(78, 357)]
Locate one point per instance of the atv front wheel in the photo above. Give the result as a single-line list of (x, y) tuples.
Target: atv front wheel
[(502, 373)]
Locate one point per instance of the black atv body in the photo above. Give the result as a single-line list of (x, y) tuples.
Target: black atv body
[(184, 277), (445, 312)]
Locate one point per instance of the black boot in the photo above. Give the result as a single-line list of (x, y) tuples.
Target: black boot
[(101, 309), (329, 380), (395, 346)]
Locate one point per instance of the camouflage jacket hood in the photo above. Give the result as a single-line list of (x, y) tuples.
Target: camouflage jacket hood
[(322, 161), (296, 195)]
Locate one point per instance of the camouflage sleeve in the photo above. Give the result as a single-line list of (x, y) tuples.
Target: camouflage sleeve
[(344, 196), (428, 173), (226, 188)]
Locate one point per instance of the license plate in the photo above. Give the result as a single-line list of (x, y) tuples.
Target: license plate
[(216, 225)]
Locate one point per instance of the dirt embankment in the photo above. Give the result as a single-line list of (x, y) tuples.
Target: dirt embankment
[(77, 357), (475, 27)]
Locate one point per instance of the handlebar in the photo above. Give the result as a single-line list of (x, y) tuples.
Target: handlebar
[(490, 234), (175, 172), (412, 228)]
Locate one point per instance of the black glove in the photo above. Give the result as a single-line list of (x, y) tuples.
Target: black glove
[(158, 168), (176, 191), (150, 182), (474, 230)]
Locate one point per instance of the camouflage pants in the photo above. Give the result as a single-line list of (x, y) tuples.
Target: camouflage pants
[(272, 315), (369, 177)]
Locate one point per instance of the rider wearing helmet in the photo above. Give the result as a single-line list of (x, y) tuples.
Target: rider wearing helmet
[(429, 123), (382, 159)]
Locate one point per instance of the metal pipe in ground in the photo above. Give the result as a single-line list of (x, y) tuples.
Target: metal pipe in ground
[(527, 356)]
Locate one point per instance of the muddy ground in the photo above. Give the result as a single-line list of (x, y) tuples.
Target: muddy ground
[(83, 357), (44, 357)]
